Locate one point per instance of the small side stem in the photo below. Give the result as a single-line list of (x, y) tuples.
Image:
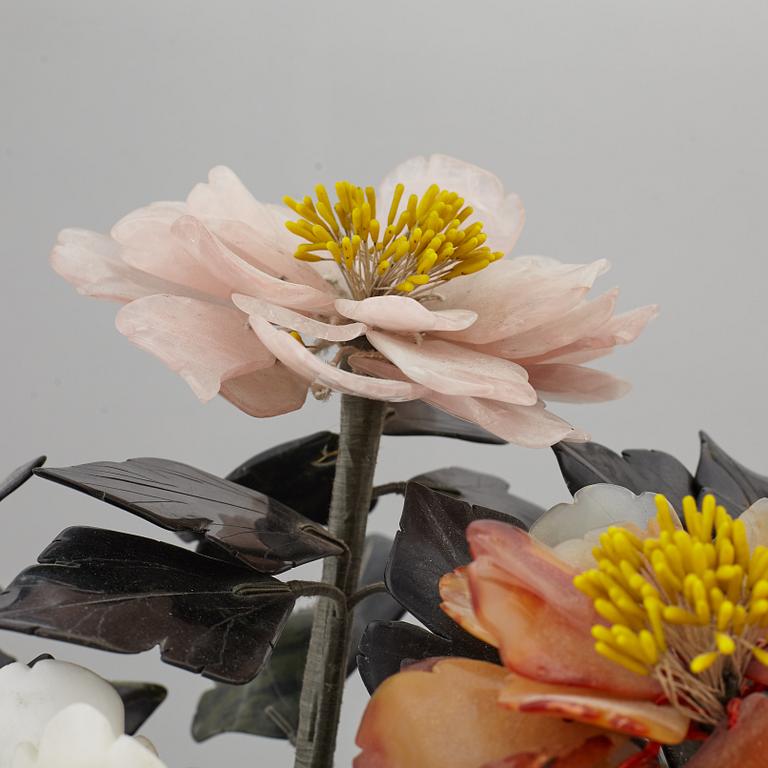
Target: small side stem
[(325, 672)]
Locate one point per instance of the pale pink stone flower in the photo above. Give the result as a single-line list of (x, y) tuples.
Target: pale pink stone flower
[(220, 290)]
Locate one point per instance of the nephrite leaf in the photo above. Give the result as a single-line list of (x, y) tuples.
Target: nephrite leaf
[(19, 476), (269, 705), (415, 417), (140, 701), (127, 594), (263, 533), (432, 542), (298, 474), (639, 470), (481, 490), (387, 646), (733, 484)]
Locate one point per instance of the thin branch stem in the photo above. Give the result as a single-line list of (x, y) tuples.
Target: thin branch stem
[(371, 589), (386, 488)]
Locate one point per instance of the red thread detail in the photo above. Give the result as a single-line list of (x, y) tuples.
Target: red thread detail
[(648, 758), (734, 710)]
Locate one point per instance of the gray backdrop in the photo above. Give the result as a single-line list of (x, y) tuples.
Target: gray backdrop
[(632, 130)]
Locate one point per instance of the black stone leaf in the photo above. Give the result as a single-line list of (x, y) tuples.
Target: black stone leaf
[(735, 486), (432, 542), (417, 418), (639, 470), (481, 490), (19, 476), (127, 594), (140, 701), (388, 646), (269, 705), (263, 533), (298, 474)]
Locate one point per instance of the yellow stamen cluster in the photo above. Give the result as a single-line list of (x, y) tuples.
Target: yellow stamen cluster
[(426, 243), (689, 607)]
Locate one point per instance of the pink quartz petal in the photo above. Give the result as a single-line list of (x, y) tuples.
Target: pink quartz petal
[(455, 370), (268, 392), (514, 296), (448, 716), (300, 360), (204, 343), (403, 315), (502, 214), (528, 425), (576, 384), (581, 321), (298, 322), (241, 276), (457, 603), (640, 719), (152, 248), (621, 329), (93, 263), (532, 566)]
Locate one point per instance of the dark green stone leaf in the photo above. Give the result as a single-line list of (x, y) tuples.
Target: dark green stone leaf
[(269, 705), (127, 594), (481, 490), (639, 470), (417, 418), (140, 701), (258, 530), (432, 542), (19, 476), (298, 474), (388, 646), (735, 486)]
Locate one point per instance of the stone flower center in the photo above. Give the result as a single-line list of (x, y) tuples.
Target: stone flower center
[(688, 607), (422, 245)]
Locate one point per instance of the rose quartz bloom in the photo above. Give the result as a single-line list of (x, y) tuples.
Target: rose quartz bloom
[(211, 286)]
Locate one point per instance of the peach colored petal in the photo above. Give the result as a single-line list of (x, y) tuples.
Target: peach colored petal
[(582, 320), (449, 718), (640, 719), (503, 215), (619, 330), (576, 384), (239, 275), (527, 425), (456, 370), (93, 263), (533, 566), (457, 603), (268, 392), (513, 296), (152, 248), (593, 753), (309, 366), (537, 640), (403, 315), (204, 343), (741, 745), (298, 322)]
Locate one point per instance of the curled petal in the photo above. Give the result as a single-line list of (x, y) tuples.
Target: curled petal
[(455, 370), (503, 215), (152, 248), (296, 321), (404, 315), (309, 366), (448, 717), (93, 263), (241, 276), (268, 392), (204, 343), (640, 719), (576, 384), (457, 603), (516, 295)]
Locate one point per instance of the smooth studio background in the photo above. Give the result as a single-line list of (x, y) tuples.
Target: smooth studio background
[(633, 131)]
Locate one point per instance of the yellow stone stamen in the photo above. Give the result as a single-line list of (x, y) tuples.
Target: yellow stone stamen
[(422, 246), (689, 607)]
